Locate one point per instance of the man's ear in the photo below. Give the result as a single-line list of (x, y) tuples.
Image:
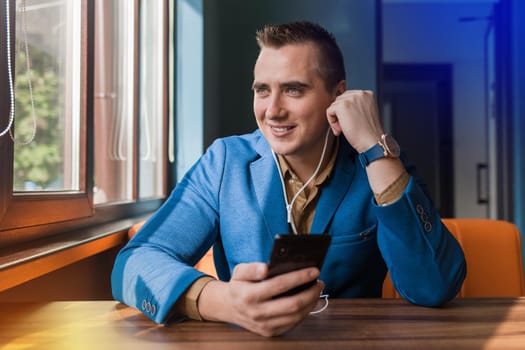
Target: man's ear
[(340, 88)]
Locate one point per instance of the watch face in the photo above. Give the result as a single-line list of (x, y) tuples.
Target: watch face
[(391, 145)]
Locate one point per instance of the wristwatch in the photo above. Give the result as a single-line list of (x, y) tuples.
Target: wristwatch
[(387, 146)]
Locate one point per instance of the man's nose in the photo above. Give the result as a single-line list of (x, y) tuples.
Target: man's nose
[(275, 108)]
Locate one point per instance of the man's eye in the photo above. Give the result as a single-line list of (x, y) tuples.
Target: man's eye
[(293, 91), (260, 90)]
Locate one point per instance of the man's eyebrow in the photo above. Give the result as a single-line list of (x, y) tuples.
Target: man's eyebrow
[(295, 84), (285, 85), (257, 85)]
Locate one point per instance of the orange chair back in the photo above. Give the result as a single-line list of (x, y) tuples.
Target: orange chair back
[(492, 250)]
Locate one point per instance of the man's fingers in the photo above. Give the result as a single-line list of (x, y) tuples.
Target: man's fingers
[(250, 272), (251, 295), (333, 121), (283, 283)]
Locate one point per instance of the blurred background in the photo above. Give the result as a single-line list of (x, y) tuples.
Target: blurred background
[(448, 76)]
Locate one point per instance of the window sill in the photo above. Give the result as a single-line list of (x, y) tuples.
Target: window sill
[(27, 261)]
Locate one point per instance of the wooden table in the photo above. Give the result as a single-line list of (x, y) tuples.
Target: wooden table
[(345, 324)]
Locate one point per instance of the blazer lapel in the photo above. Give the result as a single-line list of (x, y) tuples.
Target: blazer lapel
[(333, 194), (268, 190)]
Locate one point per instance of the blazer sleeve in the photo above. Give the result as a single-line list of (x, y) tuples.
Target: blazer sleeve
[(156, 266), (426, 263)]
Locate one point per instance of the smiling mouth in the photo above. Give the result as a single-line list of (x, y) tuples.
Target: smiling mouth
[(281, 128)]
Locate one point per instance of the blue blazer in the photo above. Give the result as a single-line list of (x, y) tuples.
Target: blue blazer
[(232, 199)]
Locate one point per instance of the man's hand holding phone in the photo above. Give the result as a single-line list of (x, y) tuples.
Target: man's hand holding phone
[(250, 299)]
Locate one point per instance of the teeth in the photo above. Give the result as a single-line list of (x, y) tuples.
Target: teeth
[(280, 129)]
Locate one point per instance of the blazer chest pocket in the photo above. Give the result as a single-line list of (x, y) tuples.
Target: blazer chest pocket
[(355, 238)]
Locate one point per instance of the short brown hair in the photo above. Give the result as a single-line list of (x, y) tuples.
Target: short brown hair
[(331, 63)]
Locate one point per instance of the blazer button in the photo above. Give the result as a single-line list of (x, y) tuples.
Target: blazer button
[(153, 309), (365, 235), (428, 226), (144, 304)]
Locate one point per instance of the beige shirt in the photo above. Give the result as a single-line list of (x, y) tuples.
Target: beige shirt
[(303, 209)]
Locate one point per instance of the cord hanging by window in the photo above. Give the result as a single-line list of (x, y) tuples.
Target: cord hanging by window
[(23, 27), (146, 152)]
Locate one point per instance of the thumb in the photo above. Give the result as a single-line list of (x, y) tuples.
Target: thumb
[(250, 272)]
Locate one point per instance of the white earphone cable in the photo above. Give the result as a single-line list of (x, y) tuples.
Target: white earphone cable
[(325, 297), (289, 206)]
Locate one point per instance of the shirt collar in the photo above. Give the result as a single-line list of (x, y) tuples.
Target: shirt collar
[(324, 173)]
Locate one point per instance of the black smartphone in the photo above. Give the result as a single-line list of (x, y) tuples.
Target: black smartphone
[(294, 252)]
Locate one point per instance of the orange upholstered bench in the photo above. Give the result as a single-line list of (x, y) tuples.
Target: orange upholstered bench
[(492, 251)]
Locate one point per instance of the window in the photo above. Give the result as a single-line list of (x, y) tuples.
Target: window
[(48, 87), (153, 99), (190, 83), (114, 103), (87, 141)]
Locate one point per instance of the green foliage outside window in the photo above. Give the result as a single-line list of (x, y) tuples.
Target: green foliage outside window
[(39, 164)]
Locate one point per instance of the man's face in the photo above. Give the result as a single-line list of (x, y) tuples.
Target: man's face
[(290, 100)]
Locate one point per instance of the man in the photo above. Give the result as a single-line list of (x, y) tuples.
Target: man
[(326, 149)]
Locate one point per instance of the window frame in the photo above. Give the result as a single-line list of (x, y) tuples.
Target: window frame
[(54, 206), (30, 216)]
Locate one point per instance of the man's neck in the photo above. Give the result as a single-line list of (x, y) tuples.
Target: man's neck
[(304, 168)]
